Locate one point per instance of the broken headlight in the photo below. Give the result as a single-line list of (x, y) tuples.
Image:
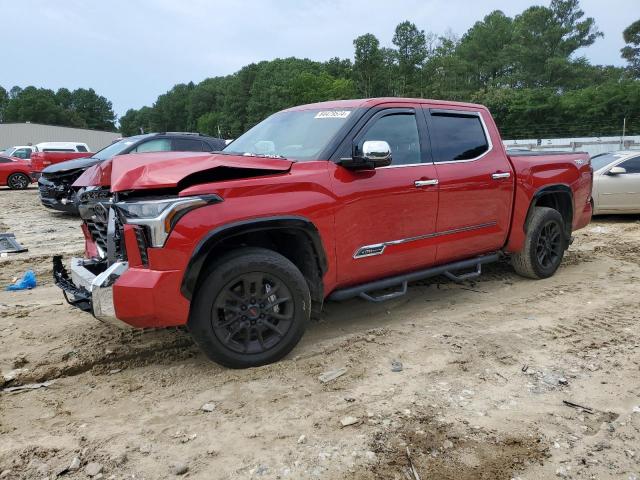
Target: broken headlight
[(159, 216)]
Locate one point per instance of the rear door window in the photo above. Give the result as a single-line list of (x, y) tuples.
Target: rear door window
[(457, 137), (155, 145), (81, 148), (188, 145)]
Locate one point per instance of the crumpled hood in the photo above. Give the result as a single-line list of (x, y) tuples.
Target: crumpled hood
[(84, 162), (158, 170)]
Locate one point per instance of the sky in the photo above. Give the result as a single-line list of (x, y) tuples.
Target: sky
[(131, 51)]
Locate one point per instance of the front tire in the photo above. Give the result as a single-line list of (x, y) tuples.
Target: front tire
[(18, 181), (544, 245), (251, 308)]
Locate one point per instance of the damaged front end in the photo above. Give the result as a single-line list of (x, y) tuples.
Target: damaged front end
[(56, 190), (118, 231), (89, 285)]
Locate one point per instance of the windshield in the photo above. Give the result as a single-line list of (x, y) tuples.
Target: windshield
[(118, 147), (296, 135), (604, 159), (8, 151)]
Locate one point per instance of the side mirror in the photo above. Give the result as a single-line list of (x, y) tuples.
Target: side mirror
[(616, 170), (375, 154)]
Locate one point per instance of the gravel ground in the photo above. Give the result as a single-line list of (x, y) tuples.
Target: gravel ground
[(486, 366)]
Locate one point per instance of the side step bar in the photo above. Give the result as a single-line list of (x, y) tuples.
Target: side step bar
[(401, 280)]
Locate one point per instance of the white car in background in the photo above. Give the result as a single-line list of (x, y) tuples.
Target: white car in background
[(616, 182), (25, 151)]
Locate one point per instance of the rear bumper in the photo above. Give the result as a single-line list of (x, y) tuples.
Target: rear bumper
[(87, 290)]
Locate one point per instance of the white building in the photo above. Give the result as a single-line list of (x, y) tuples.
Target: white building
[(32, 133)]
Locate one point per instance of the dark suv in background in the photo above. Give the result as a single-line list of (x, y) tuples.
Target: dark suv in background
[(55, 182)]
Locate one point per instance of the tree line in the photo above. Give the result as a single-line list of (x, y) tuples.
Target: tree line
[(82, 108), (525, 68)]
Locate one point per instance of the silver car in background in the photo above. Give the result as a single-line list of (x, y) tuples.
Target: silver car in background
[(616, 182)]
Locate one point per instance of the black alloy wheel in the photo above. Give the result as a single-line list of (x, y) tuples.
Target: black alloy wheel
[(549, 248), (544, 245), (251, 307), (252, 313)]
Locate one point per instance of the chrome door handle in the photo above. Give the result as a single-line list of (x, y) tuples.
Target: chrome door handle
[(425, 183), (498, 176)]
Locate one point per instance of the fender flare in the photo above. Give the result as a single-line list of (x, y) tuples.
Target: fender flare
[(224, 232), (551, 189)]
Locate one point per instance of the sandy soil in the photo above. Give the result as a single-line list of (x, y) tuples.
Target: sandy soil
[(486, 367)]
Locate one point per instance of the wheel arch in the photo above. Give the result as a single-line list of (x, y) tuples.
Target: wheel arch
[(294, 237), (560, 198)]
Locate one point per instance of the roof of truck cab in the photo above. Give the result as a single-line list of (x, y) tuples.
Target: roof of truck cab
[(372, 102)]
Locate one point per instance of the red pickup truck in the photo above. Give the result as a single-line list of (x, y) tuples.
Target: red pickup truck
[(326, 201), (41, 160)]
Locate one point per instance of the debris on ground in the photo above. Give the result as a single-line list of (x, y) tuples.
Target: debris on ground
[(9, 244), (75, 464), (30, 386), (588, 410), (412, 467), (27, 282), (93, 469), (396, 366), (208, 407), (332, 375), (346, 421), (178, 468)]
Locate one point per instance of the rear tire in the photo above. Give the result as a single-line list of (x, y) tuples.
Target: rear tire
[(544, 245), (18, 181), (251, 308)]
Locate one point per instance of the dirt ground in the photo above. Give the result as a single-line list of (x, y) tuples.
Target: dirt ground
[(486, 366)]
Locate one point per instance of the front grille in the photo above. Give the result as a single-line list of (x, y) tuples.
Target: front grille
[(98, 232), (98, 226)]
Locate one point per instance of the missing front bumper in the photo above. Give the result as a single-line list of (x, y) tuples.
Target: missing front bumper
[(90, 286)]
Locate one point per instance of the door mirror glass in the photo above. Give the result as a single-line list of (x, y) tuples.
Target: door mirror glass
[(616, 170)]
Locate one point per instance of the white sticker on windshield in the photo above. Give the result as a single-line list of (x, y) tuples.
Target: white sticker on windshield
[(333, 114)]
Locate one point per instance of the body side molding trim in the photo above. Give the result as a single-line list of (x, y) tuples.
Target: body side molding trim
[(378, 248)]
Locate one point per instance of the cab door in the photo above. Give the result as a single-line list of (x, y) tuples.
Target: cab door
[(385, 218), (476, 183)]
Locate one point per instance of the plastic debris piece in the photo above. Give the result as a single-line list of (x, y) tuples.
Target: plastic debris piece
[(30, 386), (396, 366), (332, 375), (9, 244), (27, 282)]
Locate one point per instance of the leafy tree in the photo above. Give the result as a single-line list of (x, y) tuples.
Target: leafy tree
[(486, 50), (631, 52), (412, 52), (36, 105), (545, 38), (95, 110), (367, 65)]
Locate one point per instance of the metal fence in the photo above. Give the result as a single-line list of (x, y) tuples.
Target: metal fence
[(591, 145)]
